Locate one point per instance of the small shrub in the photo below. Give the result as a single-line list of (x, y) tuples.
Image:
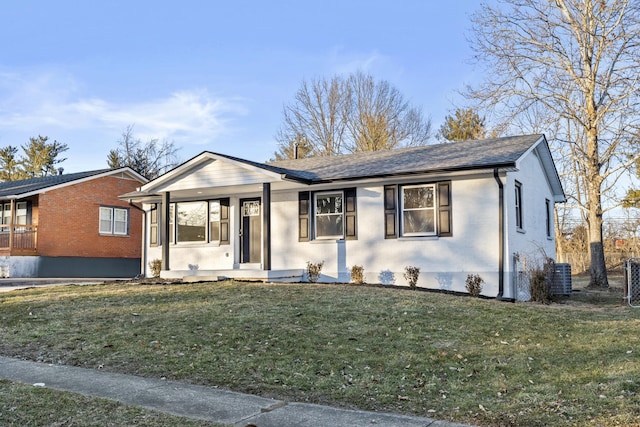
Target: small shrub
[(411, 275), (155, 266), (313, 271), (474, 284), (540, 279), (357, 274)]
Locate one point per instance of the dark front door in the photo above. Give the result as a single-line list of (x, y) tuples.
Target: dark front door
[(251, 221)]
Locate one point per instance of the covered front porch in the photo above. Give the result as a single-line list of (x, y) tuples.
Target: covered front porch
[(213, 224), (18, 233)]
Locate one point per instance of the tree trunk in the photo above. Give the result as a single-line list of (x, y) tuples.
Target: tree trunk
[(598, 265), (594, 210)]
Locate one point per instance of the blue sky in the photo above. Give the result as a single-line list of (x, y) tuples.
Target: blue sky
[(211, 75)]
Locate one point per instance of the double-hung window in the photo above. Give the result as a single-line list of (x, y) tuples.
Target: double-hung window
[(329, 215), (418, 210), (518, 205), (114, 221), (6, 214)]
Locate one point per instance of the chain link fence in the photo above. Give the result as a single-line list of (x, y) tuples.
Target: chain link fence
[(632, 280)]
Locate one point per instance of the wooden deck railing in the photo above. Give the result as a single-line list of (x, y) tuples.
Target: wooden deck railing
[(16, 239)]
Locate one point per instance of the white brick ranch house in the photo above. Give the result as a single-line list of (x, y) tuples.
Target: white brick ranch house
[(475, 207)]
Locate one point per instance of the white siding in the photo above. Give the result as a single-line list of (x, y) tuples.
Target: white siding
[(530, 244), (214, 173), (445, 262)]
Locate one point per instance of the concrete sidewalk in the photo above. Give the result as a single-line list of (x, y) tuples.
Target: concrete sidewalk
[(198, 402)]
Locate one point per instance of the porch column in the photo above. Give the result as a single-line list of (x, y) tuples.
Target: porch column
[(12, 220), (266, 226), (165, 230)]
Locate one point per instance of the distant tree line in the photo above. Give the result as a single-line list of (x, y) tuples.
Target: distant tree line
[(39, 158)]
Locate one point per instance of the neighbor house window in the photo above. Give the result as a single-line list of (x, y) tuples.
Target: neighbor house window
[(114, 221), (418, 204), (21, 213), (6, 214), (191, 220), (518, 203), (329, 220)]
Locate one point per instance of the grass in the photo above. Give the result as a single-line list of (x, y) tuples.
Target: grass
[(24, 405), (448, 357)]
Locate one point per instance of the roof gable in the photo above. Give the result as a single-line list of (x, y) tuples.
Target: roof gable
[(28, 187), (209, 169)]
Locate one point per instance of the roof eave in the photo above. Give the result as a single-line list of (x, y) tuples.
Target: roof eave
[(507, 166)]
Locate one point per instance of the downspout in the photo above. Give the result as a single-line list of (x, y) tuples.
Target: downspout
[(501, 238), (143, 257)]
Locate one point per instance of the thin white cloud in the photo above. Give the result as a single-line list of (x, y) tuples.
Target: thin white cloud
[(343, 62), (32, 102)]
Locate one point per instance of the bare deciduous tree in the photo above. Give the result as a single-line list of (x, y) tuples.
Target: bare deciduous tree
[(150, 159), (575, 63), (348, 115)]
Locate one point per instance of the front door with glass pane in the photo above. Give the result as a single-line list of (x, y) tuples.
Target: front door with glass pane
[(251, 232)]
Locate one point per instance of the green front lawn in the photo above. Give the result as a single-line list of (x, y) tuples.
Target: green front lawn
[(447, 357)]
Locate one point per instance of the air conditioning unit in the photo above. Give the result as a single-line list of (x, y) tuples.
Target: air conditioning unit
[(561, 284)]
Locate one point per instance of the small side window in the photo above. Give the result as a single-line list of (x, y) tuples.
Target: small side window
[(518, 206)]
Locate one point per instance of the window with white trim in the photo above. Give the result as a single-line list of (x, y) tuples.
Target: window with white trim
[(418, 205), (21, 213), (6, 214), (329, 215), (114, 221), (518, 206)]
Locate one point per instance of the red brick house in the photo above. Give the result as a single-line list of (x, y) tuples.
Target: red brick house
[(71, 225)]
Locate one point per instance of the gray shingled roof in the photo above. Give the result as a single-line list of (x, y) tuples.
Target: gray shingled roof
[(488, 153), (16, 188)]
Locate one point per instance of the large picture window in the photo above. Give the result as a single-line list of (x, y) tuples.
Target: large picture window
[(114, 221), (199, 221), (329, 218), (191, 220), (418, 210)]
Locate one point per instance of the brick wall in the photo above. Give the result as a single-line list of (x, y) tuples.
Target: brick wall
[(68, 220)]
